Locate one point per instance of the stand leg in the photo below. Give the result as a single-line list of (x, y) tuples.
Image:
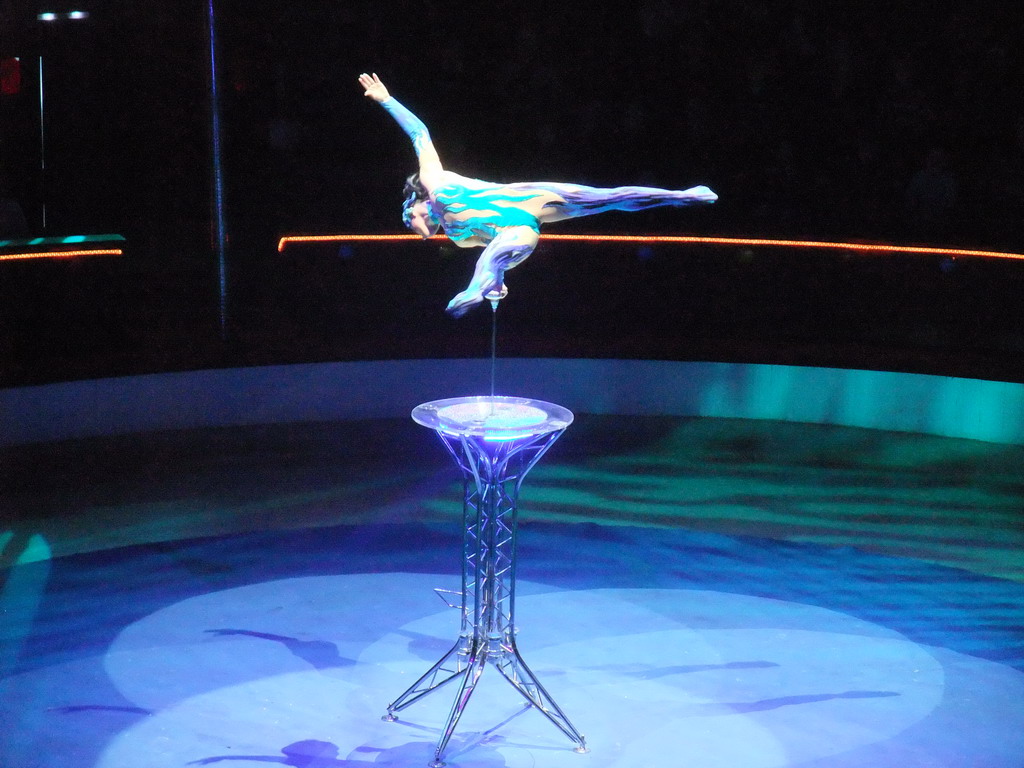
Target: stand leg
[(475, 668), (514, 669), (441, 673)]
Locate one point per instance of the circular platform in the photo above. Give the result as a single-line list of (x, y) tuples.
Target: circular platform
[(493, 417)]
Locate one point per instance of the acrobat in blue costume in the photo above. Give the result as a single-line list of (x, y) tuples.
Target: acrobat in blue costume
[(504, 218)]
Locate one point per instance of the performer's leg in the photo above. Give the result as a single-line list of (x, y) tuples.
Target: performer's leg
[(580, 200)]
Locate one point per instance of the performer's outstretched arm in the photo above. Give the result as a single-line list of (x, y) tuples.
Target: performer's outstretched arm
[(511, 247), (430, 163)]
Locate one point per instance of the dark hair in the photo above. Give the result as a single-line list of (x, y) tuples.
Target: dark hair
[(414, 187), (414, 192)]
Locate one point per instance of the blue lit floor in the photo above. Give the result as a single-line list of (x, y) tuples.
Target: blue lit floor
[(692, 592)]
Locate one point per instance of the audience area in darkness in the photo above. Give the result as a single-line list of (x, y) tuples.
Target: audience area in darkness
[(810, 121)]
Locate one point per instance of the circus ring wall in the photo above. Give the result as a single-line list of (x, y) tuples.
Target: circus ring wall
[(939, 405)]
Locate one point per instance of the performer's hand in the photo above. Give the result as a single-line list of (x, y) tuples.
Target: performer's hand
[(374, 87)]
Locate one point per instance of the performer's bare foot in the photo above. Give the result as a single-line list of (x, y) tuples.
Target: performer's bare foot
[(700, 194), (463, 302)]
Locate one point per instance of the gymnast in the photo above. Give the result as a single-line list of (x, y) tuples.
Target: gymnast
[(504, 218)]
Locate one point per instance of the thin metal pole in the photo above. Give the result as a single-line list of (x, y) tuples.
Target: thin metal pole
[(42, 141), (219, 224), (494, 344)]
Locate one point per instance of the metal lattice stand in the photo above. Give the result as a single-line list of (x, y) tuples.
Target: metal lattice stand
[(495, 441)]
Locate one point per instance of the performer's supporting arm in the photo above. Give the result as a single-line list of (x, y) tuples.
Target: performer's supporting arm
[(510, 248), (430, 163)]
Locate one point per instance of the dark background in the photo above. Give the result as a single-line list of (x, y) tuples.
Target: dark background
[(839, 121)]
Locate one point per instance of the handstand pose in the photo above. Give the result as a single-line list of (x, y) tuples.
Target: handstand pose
[(505, 218)]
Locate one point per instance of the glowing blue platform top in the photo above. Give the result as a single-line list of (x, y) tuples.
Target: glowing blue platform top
[(493, 418)]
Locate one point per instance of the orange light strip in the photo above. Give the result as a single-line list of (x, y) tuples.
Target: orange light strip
[(283, 242), (819, 244), (60, 254)]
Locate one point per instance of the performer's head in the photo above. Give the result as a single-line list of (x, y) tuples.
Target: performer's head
[(417, 212)]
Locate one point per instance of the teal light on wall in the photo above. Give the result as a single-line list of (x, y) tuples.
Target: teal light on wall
[(21, 591)]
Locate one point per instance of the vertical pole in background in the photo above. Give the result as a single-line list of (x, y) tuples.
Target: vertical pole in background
[(218, 225), (42, 142)]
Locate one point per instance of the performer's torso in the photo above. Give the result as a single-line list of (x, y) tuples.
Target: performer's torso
[(472, 212)]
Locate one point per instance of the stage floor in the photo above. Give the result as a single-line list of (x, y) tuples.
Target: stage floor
[(693, 592)]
